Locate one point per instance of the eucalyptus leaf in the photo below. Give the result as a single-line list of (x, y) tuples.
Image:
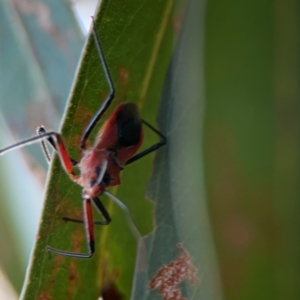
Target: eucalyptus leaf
[(138, 40)]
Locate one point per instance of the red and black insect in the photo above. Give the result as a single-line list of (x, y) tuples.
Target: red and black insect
[(100, 166)]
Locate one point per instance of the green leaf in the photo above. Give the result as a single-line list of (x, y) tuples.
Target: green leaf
[(177, 185), (138, 40)]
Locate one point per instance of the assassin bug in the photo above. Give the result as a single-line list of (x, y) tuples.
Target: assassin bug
[(100, 166)]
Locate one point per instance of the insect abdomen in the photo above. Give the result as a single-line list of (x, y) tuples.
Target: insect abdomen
[(129, 125)]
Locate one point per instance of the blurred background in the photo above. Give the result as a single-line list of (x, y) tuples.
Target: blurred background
[(40, 46), (251, 151), (252, 145)]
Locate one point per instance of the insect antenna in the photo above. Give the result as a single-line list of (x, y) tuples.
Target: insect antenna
[(130, 222), (27, 142)]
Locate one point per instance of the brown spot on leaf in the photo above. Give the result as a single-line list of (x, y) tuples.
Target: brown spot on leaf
[(73, 275), (82, 116), (72, 143), (123, 81), (170, 276), (78, 237), (44, 295), (123, 75), (74, 280)]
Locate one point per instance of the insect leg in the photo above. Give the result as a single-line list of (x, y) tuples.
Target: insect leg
[(81, 221), (100, 208), (26, 142), (156, 146), (89, 227), (42, 130), (59, 144), (108, 99), (130, 222)]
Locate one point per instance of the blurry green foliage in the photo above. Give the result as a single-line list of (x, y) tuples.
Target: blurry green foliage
[(252, 145)]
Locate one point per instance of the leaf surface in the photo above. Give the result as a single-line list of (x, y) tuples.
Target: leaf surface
[(138, 40)]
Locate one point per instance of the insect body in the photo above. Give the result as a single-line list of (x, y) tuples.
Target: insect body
[(100, 166), (118, 141)]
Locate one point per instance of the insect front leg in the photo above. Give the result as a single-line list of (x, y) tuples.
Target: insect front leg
[(58, 144), (42, 130), (108, 99)]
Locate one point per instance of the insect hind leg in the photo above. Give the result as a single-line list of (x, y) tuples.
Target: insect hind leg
[(162, 142)]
